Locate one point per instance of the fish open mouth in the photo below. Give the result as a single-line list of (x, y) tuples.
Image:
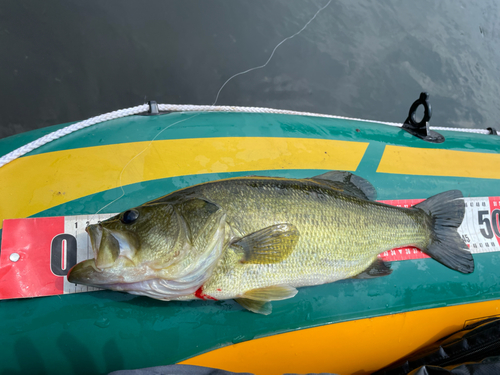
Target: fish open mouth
[(110, 244), (116, 278), (95, 234), (113, 252)]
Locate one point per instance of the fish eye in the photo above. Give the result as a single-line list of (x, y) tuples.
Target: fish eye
[(129, 216)]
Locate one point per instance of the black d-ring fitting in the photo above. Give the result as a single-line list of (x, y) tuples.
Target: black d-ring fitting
[(421, 129), (427, 111), (153, 110)]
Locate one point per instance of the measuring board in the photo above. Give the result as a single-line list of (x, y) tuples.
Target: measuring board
[(37, 253)]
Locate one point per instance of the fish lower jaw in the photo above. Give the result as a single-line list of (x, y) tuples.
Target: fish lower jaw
[(88, 273)]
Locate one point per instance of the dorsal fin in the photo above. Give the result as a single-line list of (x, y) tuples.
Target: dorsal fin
[(349, 183)]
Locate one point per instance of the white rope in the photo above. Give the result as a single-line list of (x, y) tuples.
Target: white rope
[(209, 108), (222, 108), (185, 108), (463, 130), (70, 129)]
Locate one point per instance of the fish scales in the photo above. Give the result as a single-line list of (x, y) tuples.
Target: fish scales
[(256, 239), (340, 235)]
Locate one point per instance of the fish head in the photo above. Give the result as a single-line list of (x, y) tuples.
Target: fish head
[(127, 244), (150, 244)]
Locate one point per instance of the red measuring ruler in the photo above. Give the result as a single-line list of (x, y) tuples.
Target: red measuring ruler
[(37, 253)]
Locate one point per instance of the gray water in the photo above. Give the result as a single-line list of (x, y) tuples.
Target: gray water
[(67, 60)]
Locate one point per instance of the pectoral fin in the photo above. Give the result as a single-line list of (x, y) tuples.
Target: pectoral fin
[(377, 269), (257, 300), (269, 245)]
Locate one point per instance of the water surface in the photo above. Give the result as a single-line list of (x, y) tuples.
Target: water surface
[(67, 60)]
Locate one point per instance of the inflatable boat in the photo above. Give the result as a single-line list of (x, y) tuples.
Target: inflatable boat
[(350, 326)]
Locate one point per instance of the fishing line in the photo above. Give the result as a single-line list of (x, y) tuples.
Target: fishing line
[(130, 161), (272, 53), (215, 102)]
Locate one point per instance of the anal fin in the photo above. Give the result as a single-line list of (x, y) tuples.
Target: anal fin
[(377, 269)]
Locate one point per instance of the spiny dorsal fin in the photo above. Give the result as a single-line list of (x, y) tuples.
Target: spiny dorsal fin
[(269, 245), (259, 307), (349, 183), (377, 269)]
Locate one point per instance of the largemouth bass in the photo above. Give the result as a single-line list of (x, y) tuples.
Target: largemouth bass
[(257, 239)]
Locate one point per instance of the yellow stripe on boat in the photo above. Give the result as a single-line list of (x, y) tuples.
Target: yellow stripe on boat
[(38, 182), (358, 346), (437, 162)]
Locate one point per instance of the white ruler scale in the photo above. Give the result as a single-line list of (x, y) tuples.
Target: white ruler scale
[(37, 253), (480, 228), (75, 226)]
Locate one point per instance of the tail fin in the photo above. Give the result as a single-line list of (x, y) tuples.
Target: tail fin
[(447, 211)]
